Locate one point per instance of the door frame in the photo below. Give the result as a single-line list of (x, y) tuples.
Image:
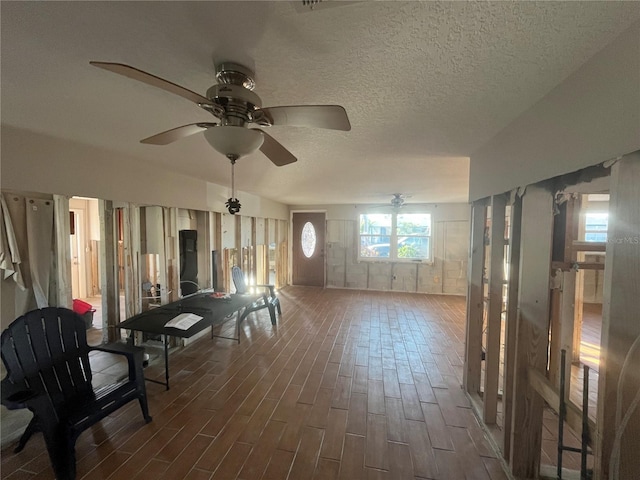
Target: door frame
[(290, 246)]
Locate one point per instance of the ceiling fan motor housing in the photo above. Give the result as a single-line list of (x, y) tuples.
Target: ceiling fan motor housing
[(238, 103)]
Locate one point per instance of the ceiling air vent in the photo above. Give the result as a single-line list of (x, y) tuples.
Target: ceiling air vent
[(310, 3), (313, 5)]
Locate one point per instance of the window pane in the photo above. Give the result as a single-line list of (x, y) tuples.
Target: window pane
[(308, 239), (375, 246), (595, 237), (413, 247), (375, 223), (596, 221), (414, 224)]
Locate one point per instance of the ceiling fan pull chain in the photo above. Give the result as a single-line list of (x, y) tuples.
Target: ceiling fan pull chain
[(233, 182), (233, 204)]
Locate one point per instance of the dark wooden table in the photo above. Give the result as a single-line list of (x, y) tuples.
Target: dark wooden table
[(213, 311)]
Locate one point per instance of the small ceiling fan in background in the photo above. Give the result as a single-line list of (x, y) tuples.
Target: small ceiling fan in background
[(238, 111), (398, 200)]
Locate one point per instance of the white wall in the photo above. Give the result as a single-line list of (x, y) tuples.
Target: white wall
[(591, 117), (450, 243), (439, 211), (33, 162)]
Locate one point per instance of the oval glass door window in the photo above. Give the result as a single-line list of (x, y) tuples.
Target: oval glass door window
[(308, 239)]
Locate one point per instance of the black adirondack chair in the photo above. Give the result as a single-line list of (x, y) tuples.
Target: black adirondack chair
[(269, 299), (46, 356)]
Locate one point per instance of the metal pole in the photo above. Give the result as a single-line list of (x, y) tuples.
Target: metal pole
[(562, 413), (585, 423)]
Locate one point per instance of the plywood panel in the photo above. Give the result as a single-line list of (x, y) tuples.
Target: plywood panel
[(533, 329), (619, 383)]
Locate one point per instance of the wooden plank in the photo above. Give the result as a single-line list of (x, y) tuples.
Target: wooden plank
[(265, 278), (579, 283), (533, 331), (567, 322), (550, 395), (204, 248), (109, 276), (555, 345), (278, 253), (131, 243), (218, 246), (494, 310), (172, 255), (567, 266), (588, 246), (253, 253), (562, 321), (515, 224), (473, 352), (63, 250), (618, 417)]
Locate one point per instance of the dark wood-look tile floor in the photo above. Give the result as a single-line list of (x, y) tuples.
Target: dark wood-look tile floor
[(349, 385)]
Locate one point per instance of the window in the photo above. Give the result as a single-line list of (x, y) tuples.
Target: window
[(595, 227), (395, 236), (308, 239)]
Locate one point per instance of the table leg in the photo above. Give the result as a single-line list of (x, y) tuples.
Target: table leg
[(166, 360), (238, 322)]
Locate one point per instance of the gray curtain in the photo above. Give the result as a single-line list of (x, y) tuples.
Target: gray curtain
[(31, 249)]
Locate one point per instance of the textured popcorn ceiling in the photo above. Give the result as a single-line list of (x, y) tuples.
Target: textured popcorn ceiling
[(424, 83)]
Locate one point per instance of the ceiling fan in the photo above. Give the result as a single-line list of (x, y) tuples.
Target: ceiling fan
[(398, 200), (238, 111)]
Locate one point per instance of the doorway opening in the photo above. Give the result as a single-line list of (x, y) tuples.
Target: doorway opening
[(84, 222)]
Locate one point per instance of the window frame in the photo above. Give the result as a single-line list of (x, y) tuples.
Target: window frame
[(394, 238)]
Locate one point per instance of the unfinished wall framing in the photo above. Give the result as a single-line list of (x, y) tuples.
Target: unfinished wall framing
[(539, 304), (446, 274)]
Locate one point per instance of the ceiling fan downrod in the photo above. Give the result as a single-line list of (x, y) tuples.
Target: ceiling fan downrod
[(233, 204)]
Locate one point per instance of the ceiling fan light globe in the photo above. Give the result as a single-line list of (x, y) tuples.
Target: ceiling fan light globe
[(234, 141)]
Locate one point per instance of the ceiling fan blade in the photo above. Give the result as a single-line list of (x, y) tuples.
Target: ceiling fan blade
[(152, 80), (333, 117), (177, 133), (274, 150)]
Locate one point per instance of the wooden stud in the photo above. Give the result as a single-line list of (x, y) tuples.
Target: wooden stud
[(532, 334), (172, 256), (218, 247), (589, 246), (550, 394), (254, 252), (566, 266), (131, 244), (238, 237), (63, 250), (265, 278), (618, 417), (515, 224), (494, 310), (203, 227), (579, 286), (109, 276), (473, 352), (555, 326)]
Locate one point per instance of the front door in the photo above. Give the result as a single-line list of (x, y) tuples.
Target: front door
[(308, 249)]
